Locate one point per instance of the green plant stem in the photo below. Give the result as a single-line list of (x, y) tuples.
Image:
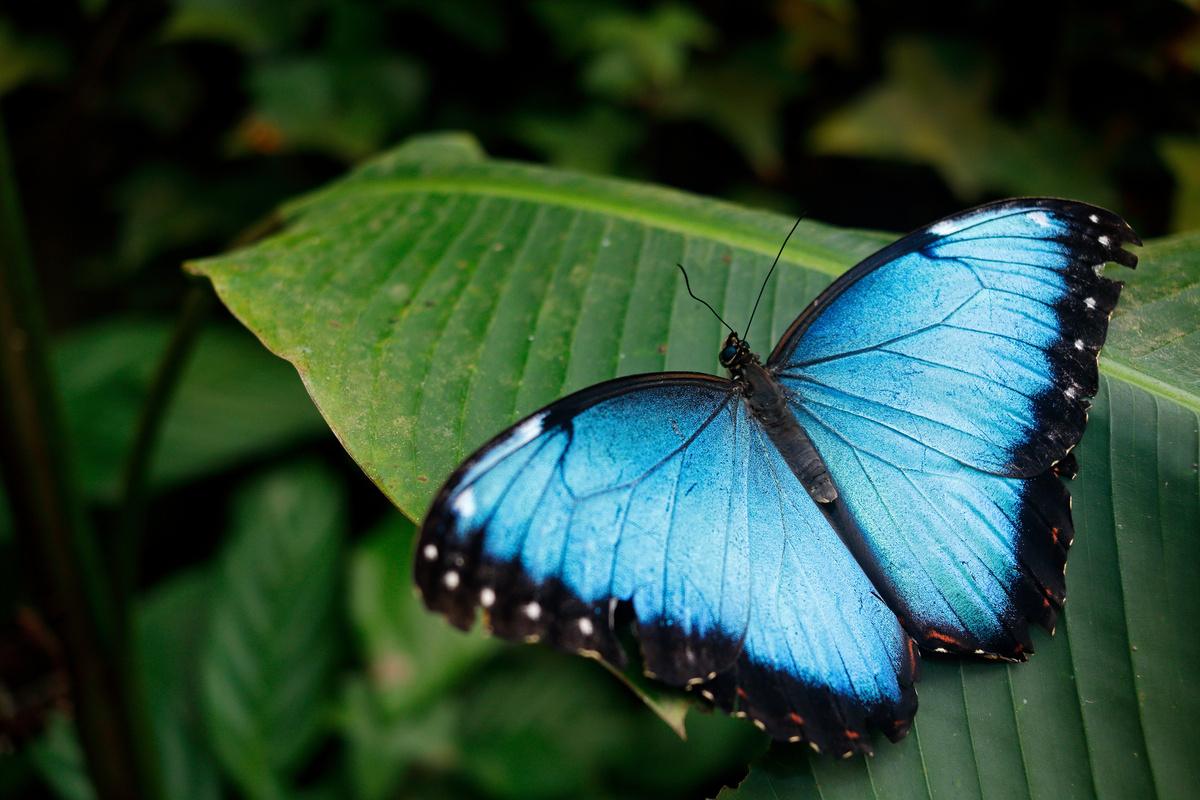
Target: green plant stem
[(52, 526), (135, 480)]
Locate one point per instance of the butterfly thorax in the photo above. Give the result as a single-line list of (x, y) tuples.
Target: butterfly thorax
[(767, 401)]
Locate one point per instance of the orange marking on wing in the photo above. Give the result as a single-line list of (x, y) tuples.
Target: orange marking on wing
[(851, 734), (941, 637), (741, 693), (796, 718)]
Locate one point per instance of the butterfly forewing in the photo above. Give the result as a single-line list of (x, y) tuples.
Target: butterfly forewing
[(738, 584)]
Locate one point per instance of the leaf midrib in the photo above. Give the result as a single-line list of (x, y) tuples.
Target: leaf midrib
[(686, 222)]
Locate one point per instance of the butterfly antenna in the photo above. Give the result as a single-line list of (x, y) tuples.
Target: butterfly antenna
[(774, 264), (688, 284)]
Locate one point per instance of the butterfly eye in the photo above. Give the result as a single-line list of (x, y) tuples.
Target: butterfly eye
[(727, 353)]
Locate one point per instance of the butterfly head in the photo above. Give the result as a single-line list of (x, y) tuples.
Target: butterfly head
[(735, 353)]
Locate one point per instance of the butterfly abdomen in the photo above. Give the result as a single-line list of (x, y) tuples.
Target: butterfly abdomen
[(768, 403)]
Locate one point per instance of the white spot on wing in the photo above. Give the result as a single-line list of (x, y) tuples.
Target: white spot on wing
[(430, 551), (528, 430), (948, 226), (487, 597), (533, 610), (1041, 219), (1090, 302), (451, 580), (1094, 218), (464, 504), (1070, 393), (1103, 240), (1079, 344), (585, 626)]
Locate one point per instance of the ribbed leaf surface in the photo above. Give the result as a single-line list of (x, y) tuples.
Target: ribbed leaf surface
[(273, 640)]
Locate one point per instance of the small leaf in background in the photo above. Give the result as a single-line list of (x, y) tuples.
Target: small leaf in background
[(401, 714), (345, 106), (480, 23), (274, 637), (172, 623), (934, 108), (235, 402), (814, 29), (542, 727), (162, 209), (58, 759), (412, 656), (743, 97), (166, 94), (252, 26), (546, 725), (386, 749), (669, 704), (24, 59), (637, 56), (1183, 157), (595, 140)]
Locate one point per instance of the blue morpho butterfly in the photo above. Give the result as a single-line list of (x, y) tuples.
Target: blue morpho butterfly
[(786, 538)]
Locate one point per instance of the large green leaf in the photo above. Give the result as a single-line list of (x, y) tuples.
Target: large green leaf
[(433, 296)]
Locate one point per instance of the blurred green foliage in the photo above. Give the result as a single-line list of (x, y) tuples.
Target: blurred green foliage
[(146, 132)]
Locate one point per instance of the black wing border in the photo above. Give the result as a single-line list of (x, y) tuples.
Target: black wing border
[(1109, 225)]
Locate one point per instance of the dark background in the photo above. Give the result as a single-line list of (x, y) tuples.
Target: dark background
[(147, 133)]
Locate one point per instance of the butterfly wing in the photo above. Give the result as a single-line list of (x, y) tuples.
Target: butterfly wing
[(942, 379), (661, 491)]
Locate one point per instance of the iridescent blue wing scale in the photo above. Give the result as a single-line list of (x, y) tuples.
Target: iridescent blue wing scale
[(941, 380), (660, 491)]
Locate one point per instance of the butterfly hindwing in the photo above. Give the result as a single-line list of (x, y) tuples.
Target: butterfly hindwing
[(660, 491), (963, 557), (942, 380)]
